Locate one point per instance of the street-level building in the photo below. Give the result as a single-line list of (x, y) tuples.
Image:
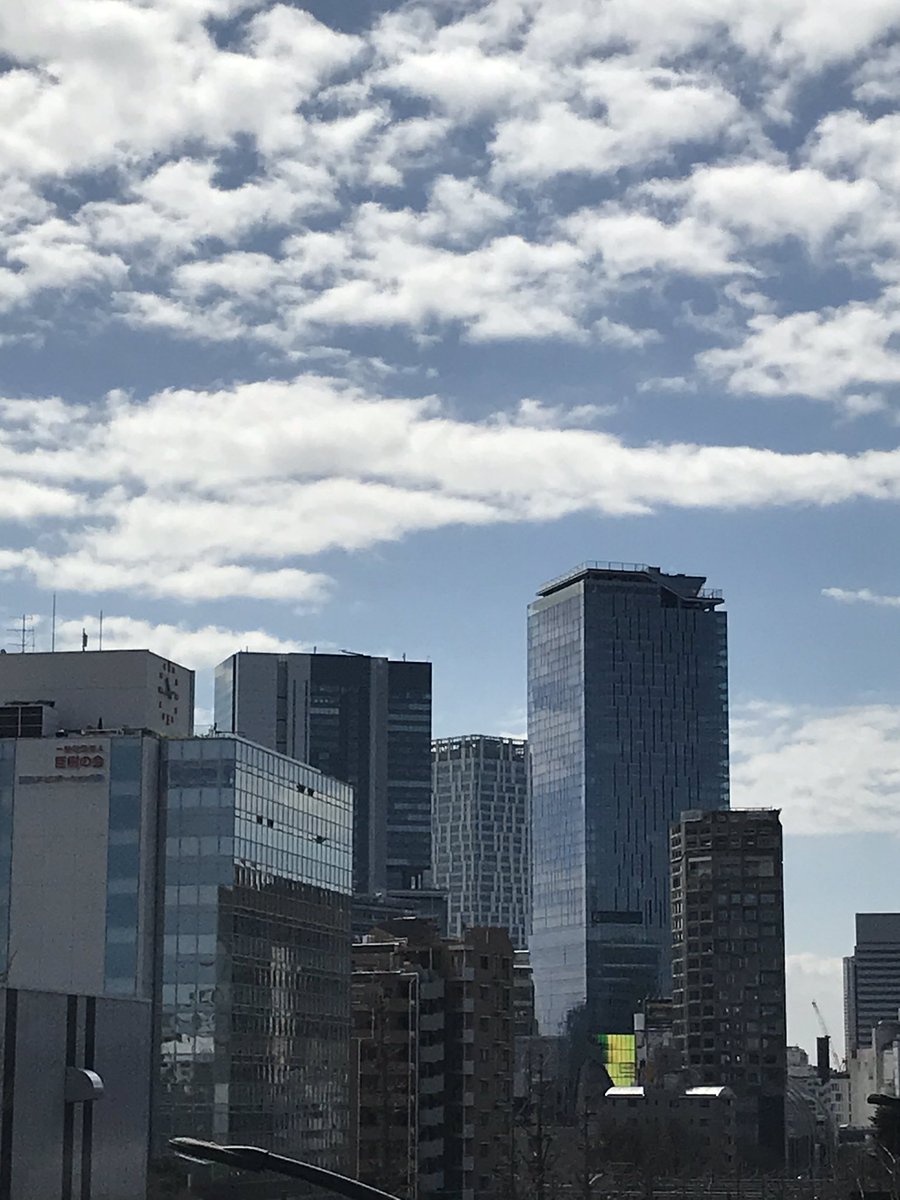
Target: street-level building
[(671, 1131)]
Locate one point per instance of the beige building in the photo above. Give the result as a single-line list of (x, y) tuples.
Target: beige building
[(44, 694)]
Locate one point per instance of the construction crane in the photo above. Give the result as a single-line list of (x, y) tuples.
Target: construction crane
[(835, 1058)]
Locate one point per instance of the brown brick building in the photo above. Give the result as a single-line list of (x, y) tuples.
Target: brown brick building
[(433, 1033)]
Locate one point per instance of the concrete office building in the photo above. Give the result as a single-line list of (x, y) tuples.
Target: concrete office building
[(255, 972), (41, 694), (365, 721), (627, 728), (218, 968), (78, 877), (79, 831), (871, 978), (728, 993), (479, 833)]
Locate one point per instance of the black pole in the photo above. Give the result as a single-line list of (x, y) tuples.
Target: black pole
[(252, 1158)]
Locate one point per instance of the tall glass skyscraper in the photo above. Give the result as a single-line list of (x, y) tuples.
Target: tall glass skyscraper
[(627, 728)]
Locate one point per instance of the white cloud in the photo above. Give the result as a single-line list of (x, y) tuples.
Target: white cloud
[(629, 114), (818, 354), (861, 596), (198, 649), (244, 482), (829, 770), (83, 571)]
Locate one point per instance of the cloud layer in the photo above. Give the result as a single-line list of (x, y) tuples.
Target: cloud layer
[(830, 771), (496, 170), (244, 480)]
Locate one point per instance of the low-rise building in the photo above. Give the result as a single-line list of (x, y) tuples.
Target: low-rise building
[(670, 1131)]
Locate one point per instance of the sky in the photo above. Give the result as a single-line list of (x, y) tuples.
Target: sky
[(349, 324)]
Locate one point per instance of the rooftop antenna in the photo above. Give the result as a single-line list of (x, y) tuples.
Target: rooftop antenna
[(53, 626), (100, 635), (24, 632)]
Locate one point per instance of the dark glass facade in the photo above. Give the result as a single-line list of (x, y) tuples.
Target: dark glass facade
[(363, 720), (627, 727), (255, 968), (872, 977)]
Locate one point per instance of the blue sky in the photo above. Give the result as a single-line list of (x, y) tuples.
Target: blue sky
[(348, 325)]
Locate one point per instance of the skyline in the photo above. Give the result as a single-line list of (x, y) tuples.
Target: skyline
[(349, 325)]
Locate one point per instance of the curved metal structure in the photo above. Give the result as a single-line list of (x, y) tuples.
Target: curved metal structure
[(252, 1158)]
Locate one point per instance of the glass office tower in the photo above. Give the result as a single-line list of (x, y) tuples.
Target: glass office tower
[(479, 831), (627, 728), (364, 720), (255, 969)]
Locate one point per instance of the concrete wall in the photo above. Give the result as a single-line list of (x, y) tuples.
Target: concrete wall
[(51, 1147), (58, 882), (59, 885), (131, 688)]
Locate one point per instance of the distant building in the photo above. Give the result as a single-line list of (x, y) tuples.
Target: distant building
[(465, 1080), (874, 1069), (480, 818), (671, 1132), (871, 978), (525, 1025), (426, 903), (45, 694), (255, 968), (658, 1060), (363, 720), (728, 967), (627, 728)]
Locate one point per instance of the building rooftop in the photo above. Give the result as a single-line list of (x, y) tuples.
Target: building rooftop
[(688, 588)]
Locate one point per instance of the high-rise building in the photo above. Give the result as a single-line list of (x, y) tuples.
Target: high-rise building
[(728, 993), (363, 720), (479, 833), (871, 978), (255, 967), (461, 1006), (627, 728)]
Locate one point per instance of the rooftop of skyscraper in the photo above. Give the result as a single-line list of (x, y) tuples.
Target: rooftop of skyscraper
[(686, 587)]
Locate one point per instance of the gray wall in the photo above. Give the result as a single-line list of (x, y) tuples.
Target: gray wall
[(131, 688), (47, 1145)]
